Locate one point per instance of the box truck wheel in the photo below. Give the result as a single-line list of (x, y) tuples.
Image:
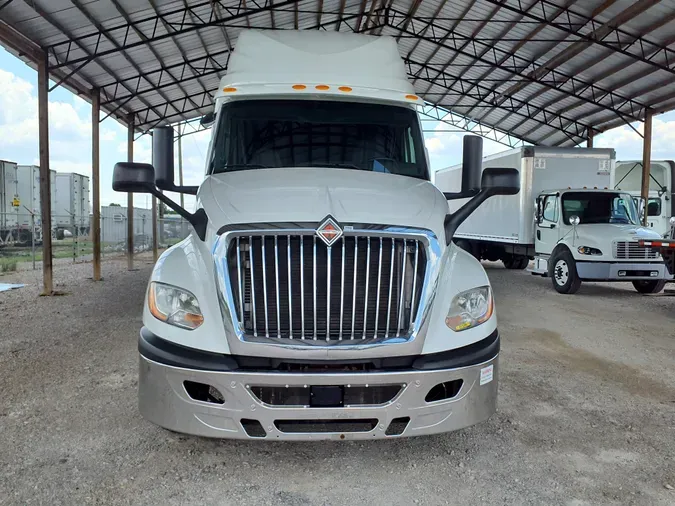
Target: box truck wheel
[(563, 272), (652, 286), (516, 262)]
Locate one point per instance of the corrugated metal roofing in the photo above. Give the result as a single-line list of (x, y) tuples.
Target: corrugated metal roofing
[(544, 71)]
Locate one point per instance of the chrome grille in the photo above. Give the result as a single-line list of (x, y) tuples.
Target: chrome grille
[(631, 250), (296, 287)]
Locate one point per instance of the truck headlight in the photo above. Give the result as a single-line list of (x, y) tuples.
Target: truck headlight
[(470, 308), (174, 306), (587, 250)]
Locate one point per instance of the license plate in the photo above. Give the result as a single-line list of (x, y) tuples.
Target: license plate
[(326, 396)]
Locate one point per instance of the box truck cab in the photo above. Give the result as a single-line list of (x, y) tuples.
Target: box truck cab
[(590, 234), (535, 224), (660, 206), (319, 294)]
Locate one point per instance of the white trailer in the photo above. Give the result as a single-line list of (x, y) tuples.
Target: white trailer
[(114, 226), (565, 218), (70, 210), (660, 206), (20, 219)]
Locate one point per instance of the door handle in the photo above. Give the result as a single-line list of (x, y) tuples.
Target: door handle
[(539, 235)]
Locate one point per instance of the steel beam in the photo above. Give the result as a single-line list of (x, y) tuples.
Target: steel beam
[(130, 197), (544, 118), (589, 139), (96, 180), (151, 23), (518, 65), (603, 34), (646, 161), (45, 185)]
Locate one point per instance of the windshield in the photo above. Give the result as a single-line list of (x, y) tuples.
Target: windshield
[(600, 207), (258, 134)]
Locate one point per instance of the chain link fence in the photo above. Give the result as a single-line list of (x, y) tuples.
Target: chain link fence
[(22, 232)]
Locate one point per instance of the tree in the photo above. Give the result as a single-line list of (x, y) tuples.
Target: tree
[(115, 205)]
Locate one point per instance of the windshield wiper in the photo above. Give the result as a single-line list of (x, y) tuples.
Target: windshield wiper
[(339, 166), (231, 167)]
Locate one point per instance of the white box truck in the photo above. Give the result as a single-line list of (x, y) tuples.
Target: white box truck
[(319, 294), (564, 218), (71, 206), (20, 218), (660, 205)]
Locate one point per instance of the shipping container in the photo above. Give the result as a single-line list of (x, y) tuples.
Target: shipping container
[(71, 204)]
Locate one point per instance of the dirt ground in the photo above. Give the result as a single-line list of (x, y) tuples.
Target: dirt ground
[(586, 414)]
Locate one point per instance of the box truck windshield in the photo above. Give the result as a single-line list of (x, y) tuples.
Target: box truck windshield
[(257, 134), (603, 207)]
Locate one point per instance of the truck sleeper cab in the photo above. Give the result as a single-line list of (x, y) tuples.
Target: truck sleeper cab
[(319, 295)]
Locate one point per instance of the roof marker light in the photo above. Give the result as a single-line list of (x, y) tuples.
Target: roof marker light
[(229, 90), (346, 89), (322, 87), (299, 87), (412, 97)]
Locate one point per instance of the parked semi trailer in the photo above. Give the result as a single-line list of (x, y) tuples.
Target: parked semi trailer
[(319, 294), (71, 206), (20, 219), (660, 205), (564, 218)]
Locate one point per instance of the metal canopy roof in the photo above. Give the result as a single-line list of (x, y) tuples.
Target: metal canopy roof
[(542, 71)]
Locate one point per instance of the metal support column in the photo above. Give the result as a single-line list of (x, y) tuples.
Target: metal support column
[(180, 162), (96, 186), (130, 196), (646, 160), (45, 190), (155, 255), (589, 139)]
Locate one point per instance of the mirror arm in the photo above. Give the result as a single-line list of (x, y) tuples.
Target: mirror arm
[(190, 190), (460, 195), (198, 219), (454, 220)]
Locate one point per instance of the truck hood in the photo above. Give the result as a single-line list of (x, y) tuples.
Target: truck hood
[(608, 232), (310, 194)]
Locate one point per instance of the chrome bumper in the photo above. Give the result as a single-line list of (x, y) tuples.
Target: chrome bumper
[(621, 271), (164, 401)]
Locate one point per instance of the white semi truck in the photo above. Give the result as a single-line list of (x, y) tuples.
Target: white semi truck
[(319, 294), (564, 218), (70, 204), (660, 205)]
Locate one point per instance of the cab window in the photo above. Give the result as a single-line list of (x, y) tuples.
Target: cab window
[(654, 207), (550, 212)]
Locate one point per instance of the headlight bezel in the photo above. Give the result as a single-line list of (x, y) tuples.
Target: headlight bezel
[(589, 251), (459, 318), (184, 313)]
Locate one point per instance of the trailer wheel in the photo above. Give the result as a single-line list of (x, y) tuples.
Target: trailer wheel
[(654, 286), (563, 272)]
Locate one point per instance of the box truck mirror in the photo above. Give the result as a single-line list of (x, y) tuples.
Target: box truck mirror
[(132, 177)]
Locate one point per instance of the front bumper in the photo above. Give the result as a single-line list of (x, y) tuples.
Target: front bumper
[(620, 271), (165, 401)]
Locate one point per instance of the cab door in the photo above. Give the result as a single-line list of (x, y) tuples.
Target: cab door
[(547, 228)]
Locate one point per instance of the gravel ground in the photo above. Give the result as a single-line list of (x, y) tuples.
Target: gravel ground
[(586, 416)]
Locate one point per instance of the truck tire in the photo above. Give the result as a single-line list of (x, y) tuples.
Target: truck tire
[(654, 286), (517, 262), (563, 272)]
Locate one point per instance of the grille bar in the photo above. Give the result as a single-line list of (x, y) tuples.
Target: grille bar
[(290, 286), (631, 250)]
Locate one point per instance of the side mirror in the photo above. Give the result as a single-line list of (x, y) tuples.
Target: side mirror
[(208, 119), (574, 220), (499, 181), (162, 157), (133, 177)]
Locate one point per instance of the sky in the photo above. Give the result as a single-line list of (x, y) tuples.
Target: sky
[(70, 136)]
